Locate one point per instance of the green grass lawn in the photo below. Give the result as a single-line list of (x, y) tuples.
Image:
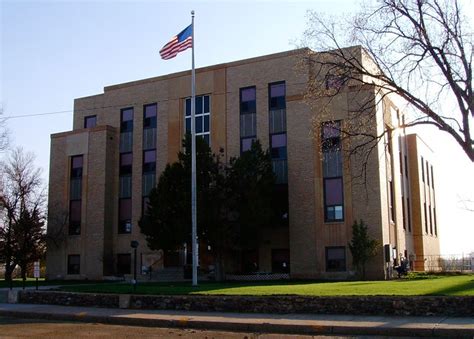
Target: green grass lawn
[(424, 285)]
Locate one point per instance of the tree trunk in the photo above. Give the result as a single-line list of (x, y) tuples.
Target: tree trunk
[(24, 268), (9, 268)]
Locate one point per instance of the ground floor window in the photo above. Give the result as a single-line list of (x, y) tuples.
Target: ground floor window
[(124, 265), (73, 264), (249, 261), (335, 259), (280, 260)]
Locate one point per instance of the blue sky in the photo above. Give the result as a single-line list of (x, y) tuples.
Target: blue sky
[(53, 52)]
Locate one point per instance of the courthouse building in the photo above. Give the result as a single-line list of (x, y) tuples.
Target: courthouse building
[(102, 171)]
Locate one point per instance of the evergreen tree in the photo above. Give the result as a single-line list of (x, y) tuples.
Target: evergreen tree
[(362, 247)]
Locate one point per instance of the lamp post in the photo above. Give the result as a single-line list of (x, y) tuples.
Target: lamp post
[(134, 244)]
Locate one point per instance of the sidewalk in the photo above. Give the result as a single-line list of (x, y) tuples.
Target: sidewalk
[(308, 324)]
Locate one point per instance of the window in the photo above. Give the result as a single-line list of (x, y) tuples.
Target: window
[(126, 163), (404, 216), (277, 129), (335, 81), (76, 166), (248, 118), (335, 259), (75, 195), (333, 200), (431, 220), (427, 174), (75, 217), (149, 161), (149, 116), (277, 93), (126, 120), (426, 218), (202, 117), (391, 200), (280, 261), (90, 121), (422, 170), (434, 219), (124, 264), (73, 264), (409, 214), (125, 215), (332, 171)]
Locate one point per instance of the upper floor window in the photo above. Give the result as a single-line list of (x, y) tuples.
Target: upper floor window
[(90, 121), (331, 136), (76, 166), (126, 163), (149, 116), (277, 92), (202, 116), (126, 120), (149, 161), (248, 100)]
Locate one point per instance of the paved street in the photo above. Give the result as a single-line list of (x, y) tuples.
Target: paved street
[(17, 328)]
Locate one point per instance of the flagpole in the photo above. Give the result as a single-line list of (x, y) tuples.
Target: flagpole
[(193, 162)]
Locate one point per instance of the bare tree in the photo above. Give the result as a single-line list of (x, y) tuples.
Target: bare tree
[(418, 52), (4, 135), (22, 223)]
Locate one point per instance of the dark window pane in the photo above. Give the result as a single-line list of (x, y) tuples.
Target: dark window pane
[(124, 264), (75, 217), (333, 191), (90, 121), (73, 264), (248, 94), (199, 124), (335, 259), (206, 104), (280, 261), (126, 163), (127, 114), (125, 209), (278, 140), (206, 123), (199, 105), (188, 125), (206, 138), (331, 130), (149, 156), (150, 111), (188, 107), (277, 90), (246, 144), (76, 161)]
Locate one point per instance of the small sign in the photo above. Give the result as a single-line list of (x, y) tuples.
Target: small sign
[(36, 270)]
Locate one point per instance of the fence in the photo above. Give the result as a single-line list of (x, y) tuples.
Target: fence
[(450, 263)]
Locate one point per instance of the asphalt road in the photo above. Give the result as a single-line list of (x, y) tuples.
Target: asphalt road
[(30, 328)]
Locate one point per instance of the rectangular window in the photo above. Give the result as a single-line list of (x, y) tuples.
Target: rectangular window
[(427, 173), (277, 93), (73, 264), (75, 209), (404, 216), (431, 220), (406, 166), (149, 116), (422, 170), (331, 136), (333, 200), (125, 215), (280, 261), (391, 200), (335, 259), (248, 100), (202, 116), (149, 161), (409, 214), (126, 120), (248, 118), (76, 166), (426, 218), (126, 163), (124, 263), (90, 121), (434, 219)]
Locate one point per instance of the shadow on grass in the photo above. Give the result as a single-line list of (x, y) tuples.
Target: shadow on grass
[(457, 289)]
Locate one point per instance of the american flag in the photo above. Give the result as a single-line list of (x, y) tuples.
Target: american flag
[(178, 43)]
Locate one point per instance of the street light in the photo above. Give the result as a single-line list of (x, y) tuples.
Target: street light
[(134, 244)]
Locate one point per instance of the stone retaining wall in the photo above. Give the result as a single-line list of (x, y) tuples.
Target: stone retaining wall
[(374, 305)]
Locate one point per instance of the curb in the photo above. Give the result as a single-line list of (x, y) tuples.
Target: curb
[(233, 326)]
